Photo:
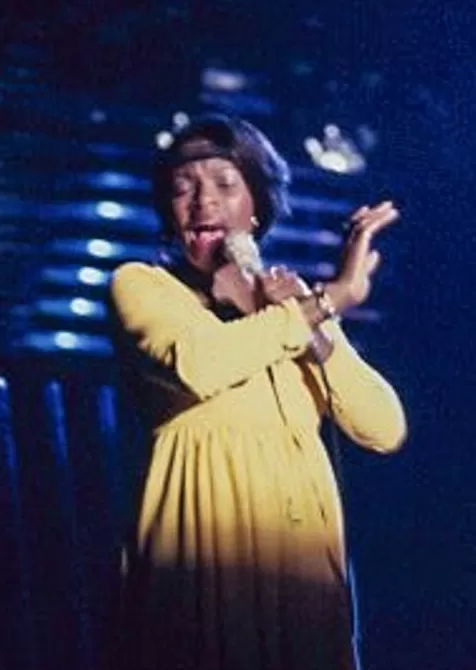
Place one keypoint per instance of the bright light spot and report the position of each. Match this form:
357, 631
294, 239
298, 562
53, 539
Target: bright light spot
3, 383
101, 248
113, 179
97, 345
332, 132
223, 80
92, 276
66, 340
98, 116
82, 307
180, 120
313, 146
335, 152
164, 139
110, 210
328, 238
334, 162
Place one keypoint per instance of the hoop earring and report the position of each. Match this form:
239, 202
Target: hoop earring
254, 222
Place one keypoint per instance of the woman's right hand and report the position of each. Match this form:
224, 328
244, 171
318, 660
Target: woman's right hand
359, 262
232, 286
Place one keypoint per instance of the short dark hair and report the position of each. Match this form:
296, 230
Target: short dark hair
264, 170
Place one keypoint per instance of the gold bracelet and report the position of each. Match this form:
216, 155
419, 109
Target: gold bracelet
324, 301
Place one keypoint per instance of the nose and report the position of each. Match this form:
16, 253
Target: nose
205, 197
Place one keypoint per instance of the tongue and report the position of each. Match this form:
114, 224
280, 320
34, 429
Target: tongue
205, 238
211, 234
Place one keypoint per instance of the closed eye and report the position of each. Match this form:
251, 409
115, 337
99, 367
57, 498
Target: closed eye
226, 185
226, 180
181, 185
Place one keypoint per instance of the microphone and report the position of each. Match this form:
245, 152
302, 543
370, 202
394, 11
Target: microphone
240, 247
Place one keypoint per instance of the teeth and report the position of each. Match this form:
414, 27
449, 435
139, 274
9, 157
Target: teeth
208, 232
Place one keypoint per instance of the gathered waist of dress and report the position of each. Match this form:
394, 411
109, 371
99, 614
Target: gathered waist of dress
209, 417
210, 414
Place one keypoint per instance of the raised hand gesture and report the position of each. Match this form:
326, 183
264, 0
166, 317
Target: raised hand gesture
359, 261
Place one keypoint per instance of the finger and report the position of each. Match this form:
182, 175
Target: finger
271, 284
382, 206
382, 220
270, 275
356, 250
281, 271
277, 294
376, 220
374, 260
359, 213
283, 288
379, 210
302, 289
366, 213
285, 283
358, 256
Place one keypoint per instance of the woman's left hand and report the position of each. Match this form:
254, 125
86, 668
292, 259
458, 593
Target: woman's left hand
360, 261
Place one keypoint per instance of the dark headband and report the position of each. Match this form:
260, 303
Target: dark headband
195, 150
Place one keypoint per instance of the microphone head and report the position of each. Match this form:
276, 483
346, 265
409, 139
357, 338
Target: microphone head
240, 247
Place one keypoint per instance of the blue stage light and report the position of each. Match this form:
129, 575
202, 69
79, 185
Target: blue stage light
83, 307
102, 248
164, 139
220, 79
110, 179
98, 116
92, 276
66, 340
52, 341
180, 120
111, 210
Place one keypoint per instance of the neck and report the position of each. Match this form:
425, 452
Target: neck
191, 275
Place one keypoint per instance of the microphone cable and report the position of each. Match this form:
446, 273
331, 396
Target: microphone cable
335, 449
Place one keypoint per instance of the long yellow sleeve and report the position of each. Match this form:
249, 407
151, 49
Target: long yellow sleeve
208, 356
365, 406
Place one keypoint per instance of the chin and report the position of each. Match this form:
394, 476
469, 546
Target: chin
207, 264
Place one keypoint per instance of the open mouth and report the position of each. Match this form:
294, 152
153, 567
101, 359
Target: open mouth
208, 232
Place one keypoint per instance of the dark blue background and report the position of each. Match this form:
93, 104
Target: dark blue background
407, 69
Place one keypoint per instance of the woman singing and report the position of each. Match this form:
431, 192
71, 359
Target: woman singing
239, 560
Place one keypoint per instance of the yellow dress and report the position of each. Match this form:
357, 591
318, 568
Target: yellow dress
240, 536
